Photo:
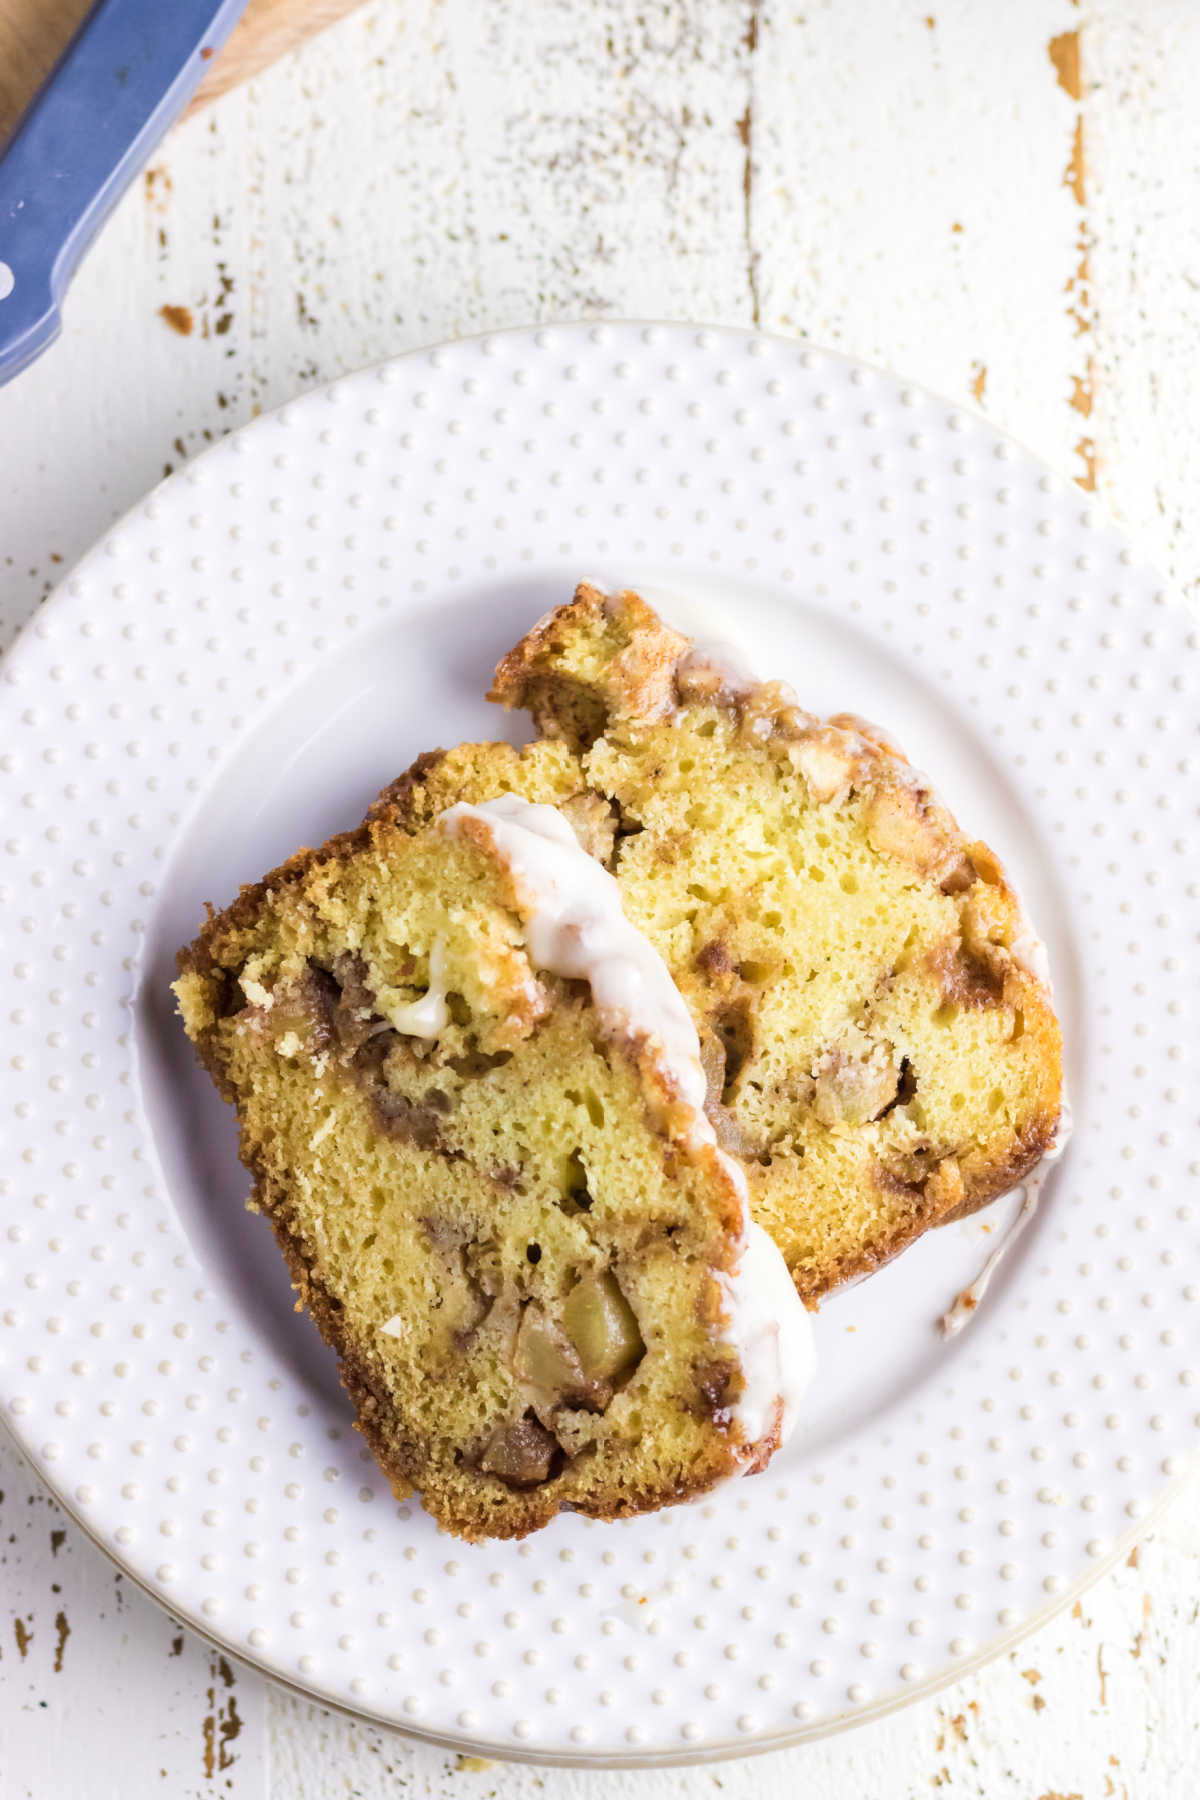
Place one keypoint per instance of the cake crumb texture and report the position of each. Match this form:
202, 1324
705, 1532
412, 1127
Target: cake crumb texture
882, 1051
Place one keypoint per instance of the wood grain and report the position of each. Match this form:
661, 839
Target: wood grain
270, 29
33, 34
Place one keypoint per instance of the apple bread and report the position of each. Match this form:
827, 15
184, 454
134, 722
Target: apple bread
471, 1101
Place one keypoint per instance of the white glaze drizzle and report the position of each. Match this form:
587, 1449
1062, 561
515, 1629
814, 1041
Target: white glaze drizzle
429, 1015
575, 927
722, 660
1028, 951
966, 1303
773, 1331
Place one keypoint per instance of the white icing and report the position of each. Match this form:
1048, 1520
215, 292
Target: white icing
725, 662
1029, 952
429, 1015
966, 1303
722, 660
867, 732
576, 927
775, 1337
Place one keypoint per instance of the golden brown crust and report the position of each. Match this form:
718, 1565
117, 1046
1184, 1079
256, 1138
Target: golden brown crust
214, 948
629, 673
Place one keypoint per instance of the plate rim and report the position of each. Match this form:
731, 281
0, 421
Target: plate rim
727, 1749
1167, 1487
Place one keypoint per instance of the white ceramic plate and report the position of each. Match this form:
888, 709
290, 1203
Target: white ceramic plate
276, 632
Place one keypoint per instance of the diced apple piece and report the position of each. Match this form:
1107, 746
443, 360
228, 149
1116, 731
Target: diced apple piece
601, 1325
545, 1356
519, 1453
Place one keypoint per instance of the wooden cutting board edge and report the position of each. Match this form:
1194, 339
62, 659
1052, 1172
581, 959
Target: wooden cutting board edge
268, 30
33, 34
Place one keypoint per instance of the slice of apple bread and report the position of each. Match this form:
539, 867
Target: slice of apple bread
881, 1048
472, 1103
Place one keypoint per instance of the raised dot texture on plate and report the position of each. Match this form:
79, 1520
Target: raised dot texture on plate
167, 738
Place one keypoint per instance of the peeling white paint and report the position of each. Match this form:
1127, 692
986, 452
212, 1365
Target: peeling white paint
100, 1692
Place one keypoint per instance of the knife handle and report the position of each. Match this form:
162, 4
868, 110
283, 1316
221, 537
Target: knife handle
126, 74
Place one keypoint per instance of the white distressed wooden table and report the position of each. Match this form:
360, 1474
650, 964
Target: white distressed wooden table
952, 193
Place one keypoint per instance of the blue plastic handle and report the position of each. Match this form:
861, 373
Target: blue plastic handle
127, 73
